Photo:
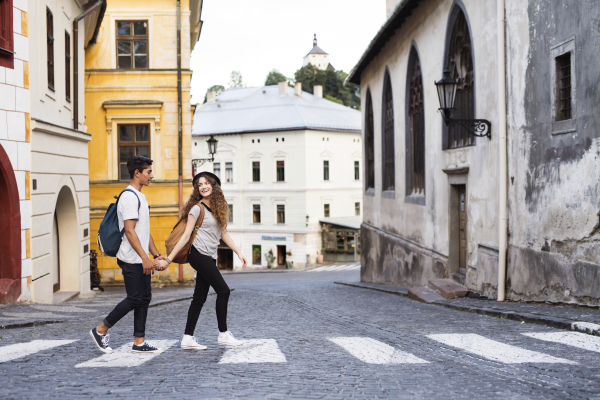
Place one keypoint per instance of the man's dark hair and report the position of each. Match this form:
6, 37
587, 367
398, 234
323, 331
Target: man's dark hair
137, 163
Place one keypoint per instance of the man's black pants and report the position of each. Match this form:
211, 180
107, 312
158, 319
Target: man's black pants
207, 275
139, 294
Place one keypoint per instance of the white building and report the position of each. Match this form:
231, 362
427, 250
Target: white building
44, 205
286, 159
317, 57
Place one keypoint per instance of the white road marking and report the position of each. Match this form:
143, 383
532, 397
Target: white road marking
254, 351
337, 267
496, 351
351, 267
14, 351
372, 351
318, 269
123, 357
575, 339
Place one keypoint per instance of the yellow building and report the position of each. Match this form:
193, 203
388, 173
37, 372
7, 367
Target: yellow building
131, 107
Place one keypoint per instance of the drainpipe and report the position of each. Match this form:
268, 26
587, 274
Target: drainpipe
502, 156
76, 61
179, 118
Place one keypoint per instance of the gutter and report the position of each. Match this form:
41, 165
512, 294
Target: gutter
502, 153
179, 118
76, 58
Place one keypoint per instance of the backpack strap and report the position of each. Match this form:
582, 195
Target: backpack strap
198, 225
136, 196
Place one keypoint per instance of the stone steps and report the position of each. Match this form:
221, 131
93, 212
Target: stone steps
424, 294
448, 288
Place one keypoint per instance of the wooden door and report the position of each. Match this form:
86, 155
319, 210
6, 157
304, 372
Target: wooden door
462, 212
280, 255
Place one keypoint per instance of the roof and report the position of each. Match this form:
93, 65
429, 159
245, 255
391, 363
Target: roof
346, 222
316, 50
396, 19
262, 109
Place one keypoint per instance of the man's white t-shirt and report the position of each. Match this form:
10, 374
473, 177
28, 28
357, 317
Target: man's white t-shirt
128, 209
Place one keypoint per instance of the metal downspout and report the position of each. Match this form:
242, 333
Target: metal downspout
502, 153
179, 118
76, 62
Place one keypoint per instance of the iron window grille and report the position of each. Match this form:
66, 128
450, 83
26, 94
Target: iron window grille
132, 44
388, 135
255, 171
50, 48
563, 87
280, 171
256, 213
134, 140
325, 170
280, 214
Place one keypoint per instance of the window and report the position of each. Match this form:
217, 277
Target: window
369, 144
230, 213
255, 171
356, 170
356, 208
134, 140
388, 135
326, 170
50, 48
280, 214
68, 66
228, 172
563, 87
132, 44
326, 210
280, 171
460, 64
7, 46
256, 255
217, 169
256, 213
416, 128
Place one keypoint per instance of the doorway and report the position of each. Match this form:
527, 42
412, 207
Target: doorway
458, 229
224, 256
281, 256
55, 256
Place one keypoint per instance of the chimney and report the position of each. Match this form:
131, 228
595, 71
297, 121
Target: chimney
211, 97
318, 91
298, 89
282, 88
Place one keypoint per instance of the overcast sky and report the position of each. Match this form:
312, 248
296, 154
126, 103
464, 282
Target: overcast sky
256, 36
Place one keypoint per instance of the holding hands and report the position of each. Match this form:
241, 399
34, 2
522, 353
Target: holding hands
161, 263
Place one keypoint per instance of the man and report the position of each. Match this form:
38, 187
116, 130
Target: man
133, 259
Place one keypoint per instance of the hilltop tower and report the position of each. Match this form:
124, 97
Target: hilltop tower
317, 57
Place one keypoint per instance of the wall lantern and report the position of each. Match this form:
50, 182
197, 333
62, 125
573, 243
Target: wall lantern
212, 150
446, 88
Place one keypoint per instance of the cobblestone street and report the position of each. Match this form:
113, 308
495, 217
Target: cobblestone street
305, 337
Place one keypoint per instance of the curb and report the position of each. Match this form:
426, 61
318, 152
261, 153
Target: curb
554, 322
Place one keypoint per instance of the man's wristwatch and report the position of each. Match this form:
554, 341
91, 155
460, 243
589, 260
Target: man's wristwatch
156, 256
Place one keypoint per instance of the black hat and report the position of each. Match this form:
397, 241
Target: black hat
206, 173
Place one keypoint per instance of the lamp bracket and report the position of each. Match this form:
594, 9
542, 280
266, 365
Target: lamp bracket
198, 162
475, 127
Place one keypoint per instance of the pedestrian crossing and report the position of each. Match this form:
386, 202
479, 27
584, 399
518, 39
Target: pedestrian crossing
328, 268
364, 349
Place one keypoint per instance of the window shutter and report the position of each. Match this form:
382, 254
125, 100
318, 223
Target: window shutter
6, 34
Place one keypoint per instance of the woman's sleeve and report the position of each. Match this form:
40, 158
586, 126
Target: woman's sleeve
195, 211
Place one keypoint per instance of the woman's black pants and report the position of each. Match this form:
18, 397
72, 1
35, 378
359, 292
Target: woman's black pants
207, 275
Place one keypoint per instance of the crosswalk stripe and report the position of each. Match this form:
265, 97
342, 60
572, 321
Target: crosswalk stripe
254, 351
123, 357
372, 351
496, 351
318, 269
575, 339
350, 267
14, 351
337, 267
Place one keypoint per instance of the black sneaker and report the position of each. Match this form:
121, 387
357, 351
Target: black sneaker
101, 341
145, 348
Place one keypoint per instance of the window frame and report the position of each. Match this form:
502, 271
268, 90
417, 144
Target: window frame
7, 37
50, 49
388, 150
131, 38
228, 172
255, 171
560, 127
357, 208
67, 66
217, 167
356, 170
131, 144
256, 208
280, 177
326, 170
230, 219
259, 261
326, 210
369, 146
277, 212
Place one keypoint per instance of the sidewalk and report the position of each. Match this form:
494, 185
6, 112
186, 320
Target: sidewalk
562, 316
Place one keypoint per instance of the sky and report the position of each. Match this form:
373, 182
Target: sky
256, 36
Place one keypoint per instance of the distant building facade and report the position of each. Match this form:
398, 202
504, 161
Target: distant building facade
317, 57
286, 159
432, 193
44, 205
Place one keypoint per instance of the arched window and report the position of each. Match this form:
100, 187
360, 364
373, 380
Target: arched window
459, 61
369, 144
388, 135
415, 128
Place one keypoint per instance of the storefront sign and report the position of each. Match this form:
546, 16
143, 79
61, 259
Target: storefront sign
273, 238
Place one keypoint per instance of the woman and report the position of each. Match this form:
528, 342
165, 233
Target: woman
203, 254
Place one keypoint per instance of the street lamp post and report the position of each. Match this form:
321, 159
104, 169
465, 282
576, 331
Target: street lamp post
446, 88
212, 150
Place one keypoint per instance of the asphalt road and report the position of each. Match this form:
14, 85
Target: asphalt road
306, 337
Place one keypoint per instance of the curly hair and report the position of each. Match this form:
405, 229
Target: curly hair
218, 204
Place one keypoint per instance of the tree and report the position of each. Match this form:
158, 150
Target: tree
274, 78
214, 88
333, 85
236, 80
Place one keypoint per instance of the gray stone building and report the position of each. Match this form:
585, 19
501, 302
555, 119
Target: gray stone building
515, 215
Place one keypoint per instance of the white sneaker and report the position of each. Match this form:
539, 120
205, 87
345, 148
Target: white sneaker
189, 343
227, 339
